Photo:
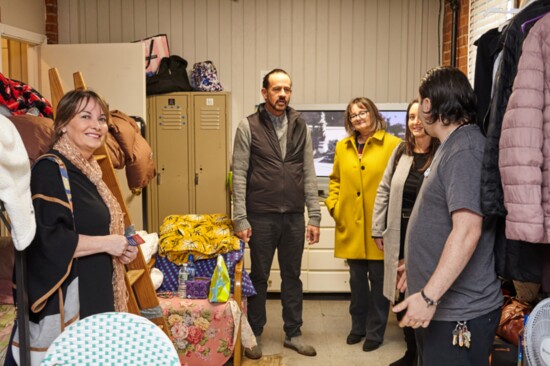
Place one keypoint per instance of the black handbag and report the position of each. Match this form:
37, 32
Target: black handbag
171, 76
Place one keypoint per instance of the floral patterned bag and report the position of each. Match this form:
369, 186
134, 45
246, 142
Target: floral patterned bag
204, 77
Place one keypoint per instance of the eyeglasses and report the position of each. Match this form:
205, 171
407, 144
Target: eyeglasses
361, 114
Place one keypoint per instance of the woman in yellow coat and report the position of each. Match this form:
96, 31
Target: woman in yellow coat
359, 164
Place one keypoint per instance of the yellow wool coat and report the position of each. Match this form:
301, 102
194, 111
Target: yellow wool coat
352, 191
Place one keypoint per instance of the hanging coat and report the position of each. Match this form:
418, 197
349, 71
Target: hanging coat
524, 158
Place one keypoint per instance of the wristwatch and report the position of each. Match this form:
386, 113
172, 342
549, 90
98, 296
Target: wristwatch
429, 301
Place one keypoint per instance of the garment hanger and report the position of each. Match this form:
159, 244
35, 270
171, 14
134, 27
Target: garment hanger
526, 23
511, 12
501, 11
521, 6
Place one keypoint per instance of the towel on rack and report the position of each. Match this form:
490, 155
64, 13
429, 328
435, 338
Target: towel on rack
15, 177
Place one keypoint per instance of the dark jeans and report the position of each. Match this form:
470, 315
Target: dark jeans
286, 233
368, 308
435, 346
410, 338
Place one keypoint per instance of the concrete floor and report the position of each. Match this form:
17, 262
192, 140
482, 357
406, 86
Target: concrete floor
326, 326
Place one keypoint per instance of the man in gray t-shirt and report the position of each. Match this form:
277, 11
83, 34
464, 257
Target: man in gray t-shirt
451, 281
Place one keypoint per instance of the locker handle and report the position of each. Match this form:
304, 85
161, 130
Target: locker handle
196, 179
158, 178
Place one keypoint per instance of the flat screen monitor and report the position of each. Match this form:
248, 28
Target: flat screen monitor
326, 124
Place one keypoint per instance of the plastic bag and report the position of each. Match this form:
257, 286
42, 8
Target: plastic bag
156, 48
220, 285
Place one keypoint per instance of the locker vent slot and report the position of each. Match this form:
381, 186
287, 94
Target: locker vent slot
210, 119
172, 119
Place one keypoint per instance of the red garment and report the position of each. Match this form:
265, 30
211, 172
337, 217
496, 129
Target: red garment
19, 97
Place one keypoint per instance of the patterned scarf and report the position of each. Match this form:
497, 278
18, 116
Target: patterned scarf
90, 168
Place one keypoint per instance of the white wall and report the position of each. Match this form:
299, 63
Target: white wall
333, 49
25, 14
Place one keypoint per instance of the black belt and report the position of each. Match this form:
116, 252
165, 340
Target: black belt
406, 213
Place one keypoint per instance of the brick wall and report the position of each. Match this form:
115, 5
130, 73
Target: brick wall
51, 21
462, 35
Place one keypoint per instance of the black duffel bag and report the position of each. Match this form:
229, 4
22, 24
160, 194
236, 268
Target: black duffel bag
171, 76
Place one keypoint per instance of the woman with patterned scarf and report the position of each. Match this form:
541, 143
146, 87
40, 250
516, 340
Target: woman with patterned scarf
76, 260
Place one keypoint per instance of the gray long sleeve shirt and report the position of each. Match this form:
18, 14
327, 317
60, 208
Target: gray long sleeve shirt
241, 159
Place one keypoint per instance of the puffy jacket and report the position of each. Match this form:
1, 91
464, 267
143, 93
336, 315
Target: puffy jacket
524, 143
492, 197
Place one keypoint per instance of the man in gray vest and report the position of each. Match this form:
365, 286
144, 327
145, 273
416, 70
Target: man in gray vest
273, 179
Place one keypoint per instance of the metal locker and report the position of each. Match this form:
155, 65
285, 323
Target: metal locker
189, 135
210, 153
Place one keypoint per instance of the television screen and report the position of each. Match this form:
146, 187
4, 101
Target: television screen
326, 123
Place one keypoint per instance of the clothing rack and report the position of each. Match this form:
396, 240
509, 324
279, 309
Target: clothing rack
22, 301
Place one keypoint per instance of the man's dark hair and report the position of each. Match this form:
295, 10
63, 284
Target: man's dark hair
451, 95
265, 83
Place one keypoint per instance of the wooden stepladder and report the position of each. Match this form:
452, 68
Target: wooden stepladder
142, 296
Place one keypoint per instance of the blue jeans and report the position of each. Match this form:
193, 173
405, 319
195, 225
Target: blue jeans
435, 342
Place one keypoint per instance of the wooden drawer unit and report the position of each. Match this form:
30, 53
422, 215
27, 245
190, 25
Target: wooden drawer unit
326, 219
274, 281
324, 260
328, 281
326, 239
275, 264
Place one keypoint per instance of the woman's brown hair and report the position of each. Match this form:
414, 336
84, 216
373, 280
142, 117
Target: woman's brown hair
378, 121
410, 141
73, 103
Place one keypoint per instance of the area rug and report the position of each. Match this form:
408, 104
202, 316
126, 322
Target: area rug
271, 360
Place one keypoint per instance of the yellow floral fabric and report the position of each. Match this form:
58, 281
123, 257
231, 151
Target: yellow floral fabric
204, 236
7, 319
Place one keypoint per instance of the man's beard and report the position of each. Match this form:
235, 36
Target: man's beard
275, 106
